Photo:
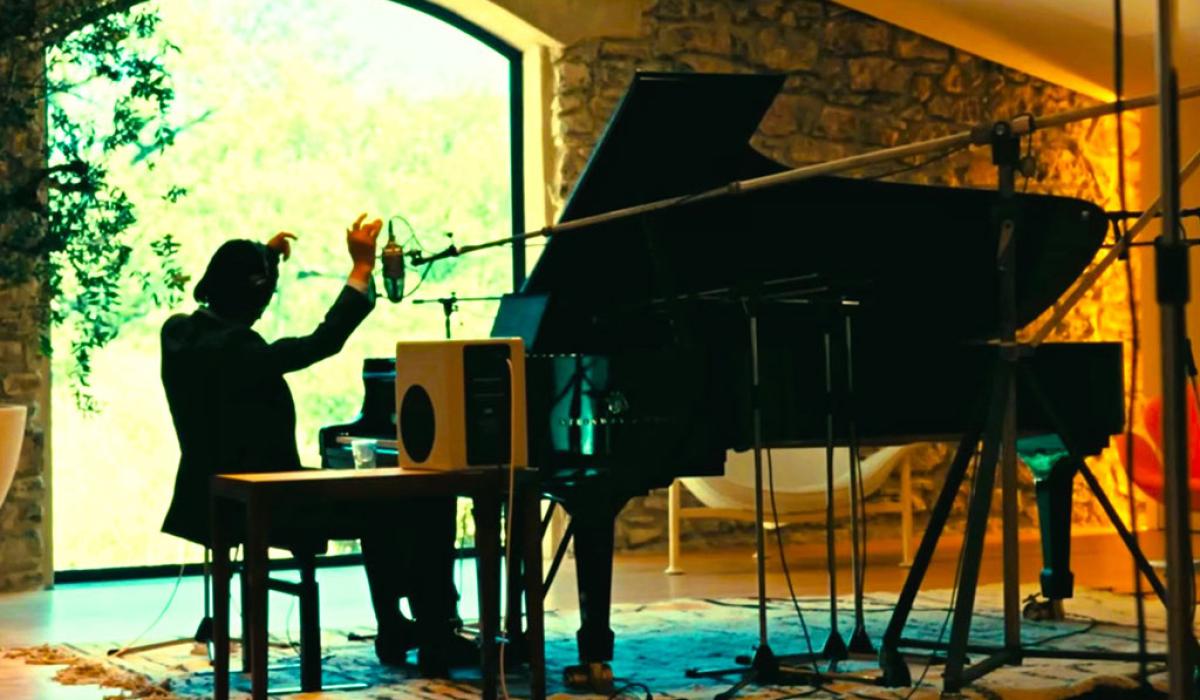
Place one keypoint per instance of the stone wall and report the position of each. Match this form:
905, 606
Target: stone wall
24, 524
854, 85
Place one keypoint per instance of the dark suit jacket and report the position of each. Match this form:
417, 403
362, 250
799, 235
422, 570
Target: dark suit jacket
232, 409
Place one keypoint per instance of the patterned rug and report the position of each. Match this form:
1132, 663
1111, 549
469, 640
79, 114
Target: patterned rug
658, 642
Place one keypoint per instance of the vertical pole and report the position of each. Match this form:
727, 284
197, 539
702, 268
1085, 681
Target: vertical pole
1006, 148
1172, 273
486, 509
673, 505
835, 646
220, 583
860, 641
906, 514
1009, 515
255, 637
759, 534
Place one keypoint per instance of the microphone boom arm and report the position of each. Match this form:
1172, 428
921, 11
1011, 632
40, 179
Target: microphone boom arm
979, 135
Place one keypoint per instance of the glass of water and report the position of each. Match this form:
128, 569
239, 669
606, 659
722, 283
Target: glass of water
363, 450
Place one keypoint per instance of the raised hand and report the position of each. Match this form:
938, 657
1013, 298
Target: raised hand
282, 243
360, 242
361, 239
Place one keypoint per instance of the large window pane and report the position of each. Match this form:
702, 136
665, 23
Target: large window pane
298, 115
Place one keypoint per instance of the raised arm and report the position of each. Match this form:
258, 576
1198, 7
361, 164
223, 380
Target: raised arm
348, 310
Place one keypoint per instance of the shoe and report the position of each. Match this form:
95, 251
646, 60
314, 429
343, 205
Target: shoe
392, 645
454, 651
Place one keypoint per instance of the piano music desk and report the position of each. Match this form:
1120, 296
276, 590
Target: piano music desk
263, 494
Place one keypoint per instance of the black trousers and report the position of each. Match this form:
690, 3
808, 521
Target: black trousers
408, 552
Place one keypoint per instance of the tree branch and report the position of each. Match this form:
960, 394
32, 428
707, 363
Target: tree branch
77, 19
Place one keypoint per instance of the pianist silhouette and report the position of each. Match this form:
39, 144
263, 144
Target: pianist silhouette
233, 412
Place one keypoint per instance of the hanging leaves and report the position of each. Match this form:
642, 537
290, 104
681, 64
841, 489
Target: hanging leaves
68, 226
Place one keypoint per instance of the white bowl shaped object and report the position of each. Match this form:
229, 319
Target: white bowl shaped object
12, 432
799, 479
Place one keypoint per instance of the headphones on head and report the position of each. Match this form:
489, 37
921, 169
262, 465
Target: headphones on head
245, 285
262, 283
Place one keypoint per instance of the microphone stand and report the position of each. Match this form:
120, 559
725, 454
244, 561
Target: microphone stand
1171, 268
450, 305
767, 668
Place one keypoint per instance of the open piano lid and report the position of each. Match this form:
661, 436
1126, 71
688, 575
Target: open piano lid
914, 255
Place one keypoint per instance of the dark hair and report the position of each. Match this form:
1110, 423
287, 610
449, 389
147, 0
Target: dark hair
239, 280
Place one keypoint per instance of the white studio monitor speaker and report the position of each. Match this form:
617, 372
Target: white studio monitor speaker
460, 404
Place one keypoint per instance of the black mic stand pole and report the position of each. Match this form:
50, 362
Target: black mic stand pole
860, 641
764, 668
450, 305
764, 658
835, 646
1171, 268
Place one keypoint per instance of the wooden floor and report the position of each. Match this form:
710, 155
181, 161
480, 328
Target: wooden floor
121, 611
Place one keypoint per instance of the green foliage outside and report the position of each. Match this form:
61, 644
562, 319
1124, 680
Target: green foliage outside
76, 238
292, 115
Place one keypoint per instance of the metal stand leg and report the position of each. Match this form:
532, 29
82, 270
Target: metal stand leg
860, 641
977, 517
835, 647
895, 670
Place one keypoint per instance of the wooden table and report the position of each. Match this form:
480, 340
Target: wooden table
263, 495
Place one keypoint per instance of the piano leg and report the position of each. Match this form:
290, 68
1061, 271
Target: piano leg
1054, 497
594, 544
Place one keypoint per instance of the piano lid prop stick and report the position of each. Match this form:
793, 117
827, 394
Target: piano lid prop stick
1088, 279
979, 135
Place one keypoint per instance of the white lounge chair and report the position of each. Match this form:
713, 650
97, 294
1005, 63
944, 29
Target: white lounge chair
799, 476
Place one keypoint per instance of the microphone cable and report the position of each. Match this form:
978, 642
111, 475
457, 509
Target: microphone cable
161, 614
787, 575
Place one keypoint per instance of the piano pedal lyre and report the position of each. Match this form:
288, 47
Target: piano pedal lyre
596, 677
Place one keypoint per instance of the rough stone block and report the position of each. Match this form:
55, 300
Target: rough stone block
566, 104
704, 63
909, 45
791, 113
784, 49
877, 73
27, 488
12, 353
655, 503
929, 68
960, 79
573, 76
613, 48
26, 581
17, 515
851, 36
944, 107
767, 9
840, 124
674, 9
578, 122
922, 87
21, 549
713, 39
22, 383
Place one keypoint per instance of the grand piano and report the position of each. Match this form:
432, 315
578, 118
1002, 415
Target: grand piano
638, 367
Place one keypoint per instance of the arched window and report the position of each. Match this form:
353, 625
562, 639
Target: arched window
297, 115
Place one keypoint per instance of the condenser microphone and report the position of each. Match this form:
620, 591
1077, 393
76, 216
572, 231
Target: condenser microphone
392, 259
